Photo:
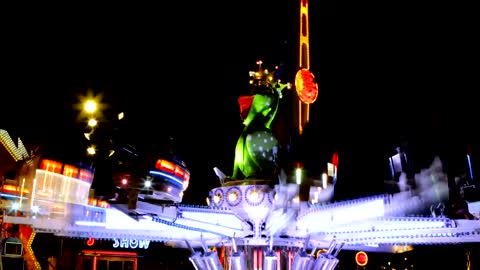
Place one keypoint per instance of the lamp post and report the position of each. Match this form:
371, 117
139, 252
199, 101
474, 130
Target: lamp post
100, 128
90, 107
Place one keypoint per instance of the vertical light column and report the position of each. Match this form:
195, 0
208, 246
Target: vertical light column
304, 62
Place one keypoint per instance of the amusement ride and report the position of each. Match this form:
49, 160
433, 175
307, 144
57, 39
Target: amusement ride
263, 216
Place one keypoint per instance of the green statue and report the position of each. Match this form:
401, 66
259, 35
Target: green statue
257, 148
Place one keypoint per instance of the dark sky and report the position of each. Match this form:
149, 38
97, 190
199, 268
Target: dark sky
388, 74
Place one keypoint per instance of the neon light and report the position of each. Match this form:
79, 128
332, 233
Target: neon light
179, 172
17, 153
307, 88
260, 256
298, 175
85, 175
90, 242
165, 165
168, 176
255, 259
13, 189
11, 196
21, 192
130, 243
34, 187
470, 166
172, 168
51, 166
279, 263
361, 258
52, 185
90, 223
32, 259
111, 253
70, 171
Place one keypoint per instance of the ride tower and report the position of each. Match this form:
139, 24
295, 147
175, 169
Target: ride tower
260, 190
305, 83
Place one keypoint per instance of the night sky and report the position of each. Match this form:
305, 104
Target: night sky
388, 74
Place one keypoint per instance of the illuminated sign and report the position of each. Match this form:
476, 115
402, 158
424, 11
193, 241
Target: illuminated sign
17, 152
130, 243
361, 258
90, 242
307, 87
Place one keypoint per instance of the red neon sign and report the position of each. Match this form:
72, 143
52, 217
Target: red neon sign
90, 242
361, 258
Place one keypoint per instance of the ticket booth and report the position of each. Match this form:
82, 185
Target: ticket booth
107, 260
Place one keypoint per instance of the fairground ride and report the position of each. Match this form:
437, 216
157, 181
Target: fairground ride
263, 216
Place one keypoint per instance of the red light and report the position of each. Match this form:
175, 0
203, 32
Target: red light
90, 242
179, 172
361, 258
85, 175
335, 159
51, 166
165, 165
70, 171
186, 177
307, 87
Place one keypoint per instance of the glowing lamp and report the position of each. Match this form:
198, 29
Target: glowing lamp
307, 88
90, 106
15, 206
35, 209
254, 196
91, 150
92, 122
70, 171
148, 183
90, 242
361, 258
51, 166
232, 196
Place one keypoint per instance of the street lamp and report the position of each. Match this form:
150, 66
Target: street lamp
91, 150
90, 106
92, 122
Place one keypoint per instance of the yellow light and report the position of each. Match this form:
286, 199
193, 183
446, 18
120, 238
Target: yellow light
31, 253
254, 197
298, 175
92, 122
315, 197
17, 153
216, 199
320, 251
233, 196
90, 106
91, 150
